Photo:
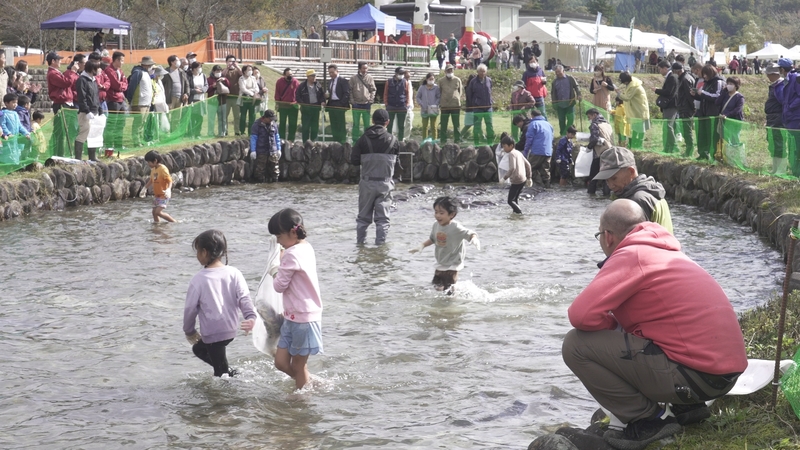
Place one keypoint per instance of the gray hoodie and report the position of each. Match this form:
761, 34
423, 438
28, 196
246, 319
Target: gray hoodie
645, 191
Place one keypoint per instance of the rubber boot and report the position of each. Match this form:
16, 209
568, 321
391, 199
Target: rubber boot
92, 154
361, 235
78, 150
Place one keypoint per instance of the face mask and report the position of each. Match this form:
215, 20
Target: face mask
248, 73
449, 76
288, 78
151, 70
398, 77
731, 87
535, 66
430, 82
191, 60
515, 88
217, 74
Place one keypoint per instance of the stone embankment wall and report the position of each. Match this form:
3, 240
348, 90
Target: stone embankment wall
713, 190
227, 162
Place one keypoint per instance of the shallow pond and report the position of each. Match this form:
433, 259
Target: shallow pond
92, 304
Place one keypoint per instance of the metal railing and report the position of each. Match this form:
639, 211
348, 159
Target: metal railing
290, 49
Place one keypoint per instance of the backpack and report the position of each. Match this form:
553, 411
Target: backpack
133, 83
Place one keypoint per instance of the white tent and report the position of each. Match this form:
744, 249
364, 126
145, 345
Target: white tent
775, 51
795, 49
571, 47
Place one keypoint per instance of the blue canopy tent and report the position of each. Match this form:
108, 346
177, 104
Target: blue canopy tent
84, 19
624, 62
367, 17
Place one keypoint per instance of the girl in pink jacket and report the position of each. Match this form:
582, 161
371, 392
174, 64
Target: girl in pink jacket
296, 279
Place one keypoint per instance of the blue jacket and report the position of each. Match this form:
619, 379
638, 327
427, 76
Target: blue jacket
733, 109
539, 138
790, 99
564, 150
479, 94
11, 124
24, 117
264, 139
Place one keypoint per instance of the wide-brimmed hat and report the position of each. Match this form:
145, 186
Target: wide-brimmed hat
773, 69
159, 71
519, 83
147, 61
614, 159
310, 72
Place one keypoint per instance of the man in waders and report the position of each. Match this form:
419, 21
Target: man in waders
376, 151
651, 328
265, 148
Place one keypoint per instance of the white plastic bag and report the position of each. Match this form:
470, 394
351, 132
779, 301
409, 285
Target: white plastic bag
502, 164
96, 127
583, 163
269, 306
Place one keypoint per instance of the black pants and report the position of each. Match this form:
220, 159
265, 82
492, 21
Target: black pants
591, 186
214, 355
513, 197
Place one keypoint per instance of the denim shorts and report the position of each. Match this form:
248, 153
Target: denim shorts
301, 339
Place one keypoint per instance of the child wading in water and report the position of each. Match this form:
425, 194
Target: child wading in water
449, 237
519, 171
564, 155
162, 185
296, 278
216, 295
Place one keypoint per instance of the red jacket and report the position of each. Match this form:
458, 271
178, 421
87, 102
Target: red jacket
103, 84
656, 292
117, 85
59, 86
535, 82
285, 90
73, 79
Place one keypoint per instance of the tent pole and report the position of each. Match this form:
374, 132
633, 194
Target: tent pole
74, 37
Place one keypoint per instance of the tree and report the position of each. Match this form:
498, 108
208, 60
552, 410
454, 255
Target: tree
302, 14
602, 6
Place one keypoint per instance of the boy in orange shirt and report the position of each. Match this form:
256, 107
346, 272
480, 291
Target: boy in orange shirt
162, 185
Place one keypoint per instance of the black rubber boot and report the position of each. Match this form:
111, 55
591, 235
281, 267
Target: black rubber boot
92, 154
78, 150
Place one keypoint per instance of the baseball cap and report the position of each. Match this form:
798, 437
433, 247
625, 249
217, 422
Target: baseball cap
310, 72
269, 114
612, 160
51, 56
786, 63
399, 71
449, 67
677, 66
190, 54
773, 68
380, 116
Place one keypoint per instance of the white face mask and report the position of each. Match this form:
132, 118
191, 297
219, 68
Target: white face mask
217, 74
248, 73
516, 88
398, 77
535, 66
191, 60
731, 88
430, 82
449, 75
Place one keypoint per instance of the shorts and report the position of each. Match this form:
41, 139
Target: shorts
160, 202
301, 338
445, 278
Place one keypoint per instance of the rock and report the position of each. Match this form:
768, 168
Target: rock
205, 175
342, 171
296, 171
467, 154
83, 196
488, 173
485, 155
59, 178
27, 189
69, 179
471, 171
794, 282
12, 209
192, 160
348, 150
228, 169
215, 150
418, 169
314, 164
188, 177
217, 174
552, 442
45, 186
429, 173
106, 193
177, 156
298, 151
444, 172
411, 147
120, 189
77, 172
456, 173
335, 153
450, 153
97, 194
328, 170
224, 151
135, 187
426, 153
200, 156
4, 194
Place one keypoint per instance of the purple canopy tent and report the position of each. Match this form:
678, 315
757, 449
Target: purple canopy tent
85, 19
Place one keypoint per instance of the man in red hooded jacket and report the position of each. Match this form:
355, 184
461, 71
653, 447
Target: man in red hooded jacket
652, 327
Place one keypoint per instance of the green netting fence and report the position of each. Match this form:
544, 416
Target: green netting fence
743, 145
